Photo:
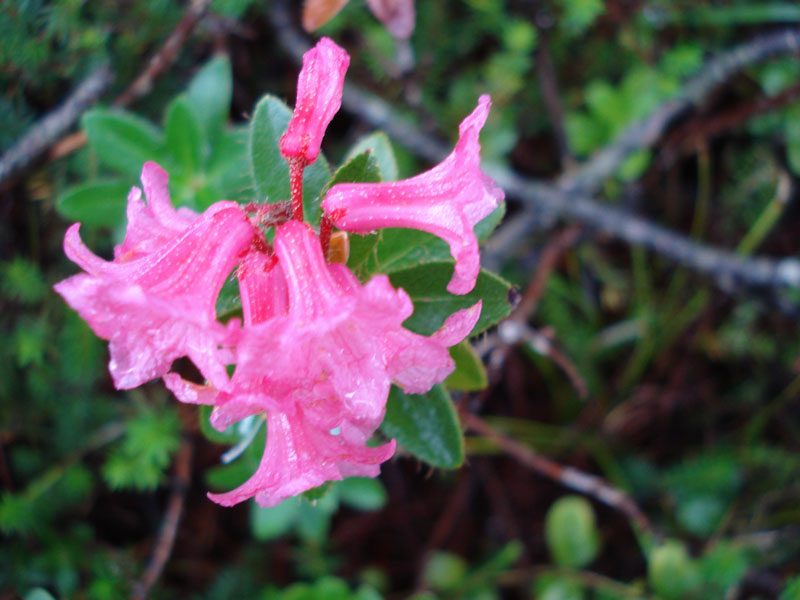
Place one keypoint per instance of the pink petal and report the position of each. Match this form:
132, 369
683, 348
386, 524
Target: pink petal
299, 457
262, 286
319, 97
447, 201
161, 306
458, 325
152, 225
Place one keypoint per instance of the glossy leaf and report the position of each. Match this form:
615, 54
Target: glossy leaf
210, 93
123, 141
184, 134
470, 374
426, 425
400, 248
269, 169
99, 204
382, 150
426, 284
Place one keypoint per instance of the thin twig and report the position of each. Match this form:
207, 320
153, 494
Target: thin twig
691, 134
166, 55
48, 129
169, 525
645, 133
575, 479
143, 84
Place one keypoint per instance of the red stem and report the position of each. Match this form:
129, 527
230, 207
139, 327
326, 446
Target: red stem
325, 230
296, 167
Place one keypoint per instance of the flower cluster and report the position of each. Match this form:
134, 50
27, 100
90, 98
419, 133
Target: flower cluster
316, 351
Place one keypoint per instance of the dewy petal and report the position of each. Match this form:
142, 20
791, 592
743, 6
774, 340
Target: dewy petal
319, 97
152, 225
161, 306
299, 457
262, 287
447, 201
325, 364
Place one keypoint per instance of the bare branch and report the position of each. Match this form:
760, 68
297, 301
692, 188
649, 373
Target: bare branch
575, 479
169, 525
166, 55
47, 130
644, 134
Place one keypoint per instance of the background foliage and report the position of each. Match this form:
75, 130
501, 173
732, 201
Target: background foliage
692, 404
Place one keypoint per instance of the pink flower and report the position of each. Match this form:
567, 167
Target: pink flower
319, 96
152, 225
323, 365
446, 201
300, 455
156, 301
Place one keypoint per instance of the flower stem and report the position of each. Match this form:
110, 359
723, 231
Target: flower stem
296, 167
325, 229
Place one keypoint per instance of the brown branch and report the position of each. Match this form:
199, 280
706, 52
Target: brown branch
143, 84
575, 479
169, 525
692, 134
166, 55
645, 133
48, 129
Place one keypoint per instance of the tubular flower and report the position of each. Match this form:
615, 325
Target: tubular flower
317, 351
154, 307
447, 201
319, 96
325, 364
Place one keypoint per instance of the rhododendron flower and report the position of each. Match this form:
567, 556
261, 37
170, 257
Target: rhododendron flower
319, 96
328, 363
447, 201
156, 301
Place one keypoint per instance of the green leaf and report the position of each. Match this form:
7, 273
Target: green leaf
363, 493
426, 425
123, 141
22, 280
362, 168
426, 285
210, 93
229, 167
399, 248
571, 532
269, 169
671, 571
382, 150
470, 374
184, 134
98, 204
273, 521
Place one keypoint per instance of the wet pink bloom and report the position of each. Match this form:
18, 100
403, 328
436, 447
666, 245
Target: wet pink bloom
319, 96
152, 225
323, 365
156, 301
447, 201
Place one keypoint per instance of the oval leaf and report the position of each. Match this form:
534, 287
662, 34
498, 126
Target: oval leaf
426, 425
426, 285
210, 93
470, 374
269, 169
382, 149
123, 141
99, 204
184, 134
